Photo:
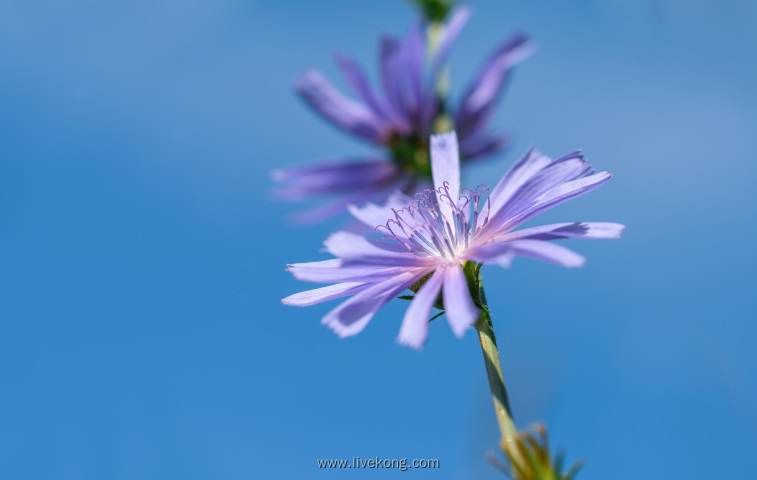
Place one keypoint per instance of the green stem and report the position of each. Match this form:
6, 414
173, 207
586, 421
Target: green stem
494, 372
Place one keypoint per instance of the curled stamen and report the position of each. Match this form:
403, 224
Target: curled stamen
435, 225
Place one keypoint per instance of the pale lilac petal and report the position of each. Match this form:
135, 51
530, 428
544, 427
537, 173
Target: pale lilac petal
558, 195
323, 294
547, 251
589, 230
498, 253
445, 162
502, 253
353, 315
534, 175
337, 270
459, 308
476, 107
534, 181
530, 164
342, 112
359, 249
414, 328
445, 169
558, 172
375, 215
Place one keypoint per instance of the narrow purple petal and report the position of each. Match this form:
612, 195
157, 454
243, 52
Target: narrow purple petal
547, 251
476, 106
558, 195
337, 271
458, 305
535, 181
359, 249
502, 253
414, 45
391, 71
353, 315
342, 112
338, 205
323, 294
332, 177
452, 29
359, 83
481, 145
558, 172
530, 164
374, 215
590, 230
414, 329
445, 162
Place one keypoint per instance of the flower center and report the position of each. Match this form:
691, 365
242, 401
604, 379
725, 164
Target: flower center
437, 226
410, 153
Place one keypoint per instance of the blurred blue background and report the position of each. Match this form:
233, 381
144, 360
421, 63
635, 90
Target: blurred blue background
142, 263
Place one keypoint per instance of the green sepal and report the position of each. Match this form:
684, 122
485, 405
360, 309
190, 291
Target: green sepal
529, 458
434, 10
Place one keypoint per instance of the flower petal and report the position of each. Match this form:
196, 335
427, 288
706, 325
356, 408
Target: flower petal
452, 29
414, 328
445, 163
558, 195
481, 145
450, 32
476, 107
414, 45
547, 251
498, 253
391, 72
458, 305
332, 177
502, 253
353, 315
339, 204
337, 270
361, 250
534, 175
593, 230
524, 169
323, 294
359, 83
346, 114
375, 215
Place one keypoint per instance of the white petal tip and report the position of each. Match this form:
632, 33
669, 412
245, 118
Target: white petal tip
415, 344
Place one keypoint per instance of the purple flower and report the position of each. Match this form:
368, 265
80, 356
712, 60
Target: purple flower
399, 118
429, 240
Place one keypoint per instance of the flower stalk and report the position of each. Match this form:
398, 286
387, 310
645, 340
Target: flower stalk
488, 342
494, 373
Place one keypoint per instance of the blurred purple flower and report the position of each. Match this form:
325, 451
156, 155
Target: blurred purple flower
431, 239
399, 118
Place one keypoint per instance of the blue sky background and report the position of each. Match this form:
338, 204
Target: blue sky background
141, 333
